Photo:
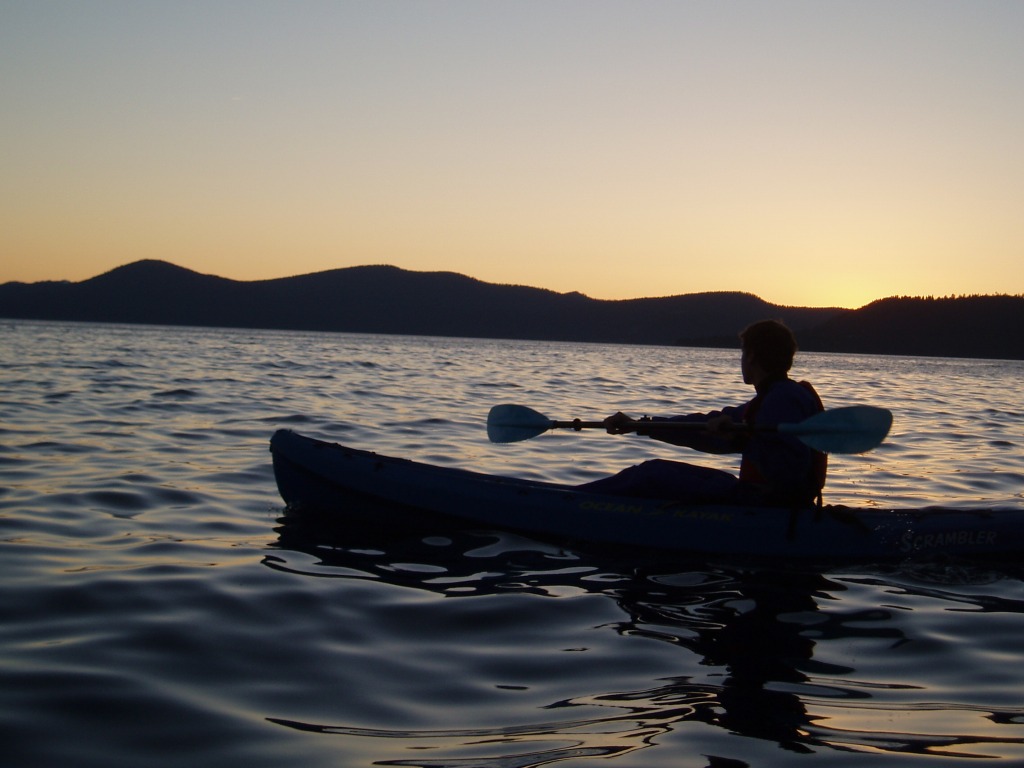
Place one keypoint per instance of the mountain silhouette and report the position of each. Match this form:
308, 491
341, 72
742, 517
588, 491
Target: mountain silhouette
386, 299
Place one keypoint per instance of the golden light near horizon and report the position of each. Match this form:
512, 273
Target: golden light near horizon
813, 155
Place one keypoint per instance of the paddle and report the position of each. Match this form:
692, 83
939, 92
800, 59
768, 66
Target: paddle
853, 429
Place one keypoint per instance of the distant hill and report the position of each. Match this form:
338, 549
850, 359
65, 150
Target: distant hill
971, 326
385, 299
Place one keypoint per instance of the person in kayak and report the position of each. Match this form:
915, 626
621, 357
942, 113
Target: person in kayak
775, 470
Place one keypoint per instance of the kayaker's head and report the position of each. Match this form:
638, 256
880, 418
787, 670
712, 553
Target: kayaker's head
768, 350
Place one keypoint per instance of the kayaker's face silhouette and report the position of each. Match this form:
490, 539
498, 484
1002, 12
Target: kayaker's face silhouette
752, 372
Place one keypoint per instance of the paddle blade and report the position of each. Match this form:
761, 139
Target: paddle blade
854, 429
511, 423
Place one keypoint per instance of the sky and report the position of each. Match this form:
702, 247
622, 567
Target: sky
812, 153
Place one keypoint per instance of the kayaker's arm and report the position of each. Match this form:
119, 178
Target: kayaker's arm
720, 436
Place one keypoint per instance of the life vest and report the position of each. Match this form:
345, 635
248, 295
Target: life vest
751, 473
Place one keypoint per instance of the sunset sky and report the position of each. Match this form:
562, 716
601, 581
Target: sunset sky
814, 153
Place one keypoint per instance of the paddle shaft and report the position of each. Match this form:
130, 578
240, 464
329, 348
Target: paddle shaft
852, 429
688, 426
577, 424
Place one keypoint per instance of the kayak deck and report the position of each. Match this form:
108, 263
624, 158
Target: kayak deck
312, 473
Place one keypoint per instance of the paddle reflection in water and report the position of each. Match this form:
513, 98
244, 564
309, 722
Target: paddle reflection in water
764, 655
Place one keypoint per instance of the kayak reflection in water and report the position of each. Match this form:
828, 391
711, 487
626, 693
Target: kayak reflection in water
776, 469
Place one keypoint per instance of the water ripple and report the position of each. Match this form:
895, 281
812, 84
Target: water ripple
160, 606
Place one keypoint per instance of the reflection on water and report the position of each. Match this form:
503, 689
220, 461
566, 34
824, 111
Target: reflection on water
757, 650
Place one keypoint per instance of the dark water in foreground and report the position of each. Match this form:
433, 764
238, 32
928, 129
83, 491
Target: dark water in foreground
158, 607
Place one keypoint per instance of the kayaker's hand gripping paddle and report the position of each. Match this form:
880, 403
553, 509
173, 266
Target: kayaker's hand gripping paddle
853, 429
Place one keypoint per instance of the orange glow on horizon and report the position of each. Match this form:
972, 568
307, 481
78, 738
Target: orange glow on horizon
774, 153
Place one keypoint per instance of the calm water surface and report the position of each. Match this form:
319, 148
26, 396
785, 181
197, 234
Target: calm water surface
159, 607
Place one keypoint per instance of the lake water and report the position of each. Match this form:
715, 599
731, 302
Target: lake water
159, 608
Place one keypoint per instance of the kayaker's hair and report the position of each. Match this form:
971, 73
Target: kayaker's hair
771, 343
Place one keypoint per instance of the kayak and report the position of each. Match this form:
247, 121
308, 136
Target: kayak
313, 474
